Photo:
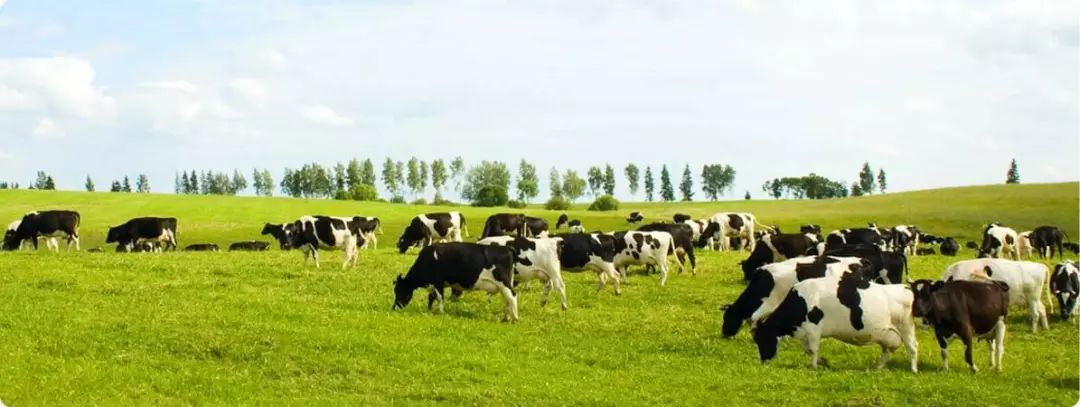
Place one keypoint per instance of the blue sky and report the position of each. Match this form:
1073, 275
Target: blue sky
938, 93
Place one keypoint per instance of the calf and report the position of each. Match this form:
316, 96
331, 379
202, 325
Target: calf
136, 231
847, 308
535, 259
644, 248
1044, 239
593, 251
777, 248
535, 227
967, 309
45, 224
367, 226
279, 232
1025, 280
464, 266
998, 239
949, 246
9, 234
428, 228
201, 247
683, 237
309, 233
634, 217
887, 267
1065, 285
249, 246
501, 224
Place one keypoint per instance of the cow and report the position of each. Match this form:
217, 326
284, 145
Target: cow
138, 230
279, 232
562, 221
680, 217
1065, 286
887, 267
249, 246
813, 229
1044, 239
1026, 281
501, 224
971, 244
1072, 247
47, 225
642, 249
9, 234
1023, 245
428, 228
682, 236
535, 259
634, 217
368, 226
464, 266
201, 247
310, 233
770, 283
905, 239
949, 246
593, 251
144, 246
847, 308
968, 309
574, 225
925, 251
926, 238
780, 247
535, 227
724, 225
998, 239
868, 235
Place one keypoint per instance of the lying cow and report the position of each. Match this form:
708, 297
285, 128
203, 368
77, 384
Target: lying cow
501, 224
139, 230
593, 251
1025, 280
779, 247
971, 244
868, 235
634, 217
201, 247
574, 225
249, 246
682, 236
47, 225
998, 239
465, 266
535, 227
925, 251
429, 228
1072, 247
310, 233
535, 259
949, 246
847, 308
643, 249
1065, 286
968, 309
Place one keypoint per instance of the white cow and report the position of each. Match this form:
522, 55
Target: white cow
1024, 278
998, 239
535, 259
643, 248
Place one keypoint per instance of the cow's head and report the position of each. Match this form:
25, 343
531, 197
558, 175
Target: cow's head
113, 236
278, 232
410, 237
1065, 285
922, 290
563, 219
403, 293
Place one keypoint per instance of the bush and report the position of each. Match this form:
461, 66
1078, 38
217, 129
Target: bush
492, 195
516, 204
363, 192
420, 201
605, 203
557, 203
341, 195
397, 199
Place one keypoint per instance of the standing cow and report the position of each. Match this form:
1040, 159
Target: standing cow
501, 224
774, 248
1044, 239
967, 309
868, 235
535, 259
47, 225
1065, 285
998, 239
429, 228
905, 239
725, 225
368, 226
465, 266
1026, 281
683, 237
310, 233
135, 232
643, 249
592, 251
9, 234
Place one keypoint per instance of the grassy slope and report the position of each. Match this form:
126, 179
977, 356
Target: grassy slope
230, 328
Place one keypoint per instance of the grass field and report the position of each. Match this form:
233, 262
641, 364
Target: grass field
261, 328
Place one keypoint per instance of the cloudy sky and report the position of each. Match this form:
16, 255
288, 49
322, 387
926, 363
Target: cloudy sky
937, 92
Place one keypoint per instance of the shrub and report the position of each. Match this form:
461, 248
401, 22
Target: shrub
557, 203
420, 201
516, 204
492, 195
341, 195
397, 199
363, 192
605, 203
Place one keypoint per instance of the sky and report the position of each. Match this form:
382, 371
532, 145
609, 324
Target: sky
938, 93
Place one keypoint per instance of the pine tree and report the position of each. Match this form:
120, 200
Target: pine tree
686, 187
866, 179
194, 183
881, 182
1013, 176
142, 184
650, 186
667, 191
116, 187
126, 185
89, 184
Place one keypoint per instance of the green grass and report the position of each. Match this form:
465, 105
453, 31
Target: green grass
258, 328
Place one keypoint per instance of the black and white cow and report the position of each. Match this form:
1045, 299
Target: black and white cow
1072, 247
770, 283
968, 309
1065, 286
724, 225
847, 308
535, 259
1026, 281
562, 221
998, 239
428, 228
949, 246
249, 246
280, 232
310, 233
464, 266
682, 236
368, 226
1044, 239
868, 235
887, 267
47, 225
201, 247
136, 231
634, 217
643, 249
501, 224
905, 239
535, 227
779, 247
9, 234
680, 217
574, 225
592, 251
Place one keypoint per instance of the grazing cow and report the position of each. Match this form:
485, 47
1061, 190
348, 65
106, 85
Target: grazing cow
309, 233
925, 238
925, 251
368, 225
724, 225
136, 231
1023, 245
971, 244
575, 226
770, 283
1044, 239
425, 229
780, 247
683, 237
634, 217
949, 246
463, 266
249, 246
9, 234
642, 249
1025, 279
535, 227
501, 224
563, 220
998, 239
905, 239
968, 309
535, 259
887, 267
1072, 247
1065, 285
201, 247
47, 225
279, 232
868, 235
847, 308
593, 251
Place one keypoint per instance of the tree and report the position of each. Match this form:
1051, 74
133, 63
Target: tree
89, 184
866, 179
650, 186
353, 174
388, 177
596, 180
554, 184
774, 188
257, 182
185, 183
423, 176
632, 177
142, 184
438, 176
367, 173
116, 187
42, 180
667, 191
528, 184
399, 174
340, 178
485, 180
573, 186
239, 183
686, 187
194, 186
881, 180
856, 189
457, 170
715, 179
49, 183
177, 187
747, 196
609, 180
126, 186
412, 179
1013, 176
268, 182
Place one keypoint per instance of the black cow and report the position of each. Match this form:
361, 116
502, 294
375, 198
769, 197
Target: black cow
279, 232
46, 224
682, 236
1047, 238
501, 224
139, 230
593, 251
535, 227
776, 248
680, 217
971, 244
949, 246
201, 247
563, 220
465, 266
1072, 247
969, 309
634, 217
431, 227
869, 235
889, 267
1065, 285
249, 246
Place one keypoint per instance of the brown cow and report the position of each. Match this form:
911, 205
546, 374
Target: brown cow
968, 309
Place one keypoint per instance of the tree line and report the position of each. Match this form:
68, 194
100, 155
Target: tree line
814, 186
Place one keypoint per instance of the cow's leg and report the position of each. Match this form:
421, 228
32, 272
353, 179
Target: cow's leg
1033, 312
884, 357
812, 345
315, 256
54, 245
943, 343
510, 301
999, 339
663, 266
560, 287
966, 336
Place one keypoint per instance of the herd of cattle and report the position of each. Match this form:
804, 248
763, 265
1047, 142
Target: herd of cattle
848, 284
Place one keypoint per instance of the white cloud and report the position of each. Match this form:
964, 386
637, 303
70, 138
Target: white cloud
251, 91
46, 128
58, 85
326, 116
172, 85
